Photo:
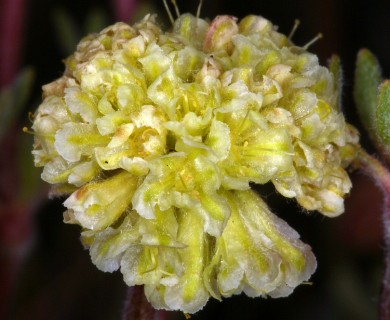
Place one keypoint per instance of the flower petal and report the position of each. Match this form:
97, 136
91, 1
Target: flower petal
77, 139
97, 205
260, 253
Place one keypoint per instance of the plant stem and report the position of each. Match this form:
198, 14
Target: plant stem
11, 32
381, 176
137, 306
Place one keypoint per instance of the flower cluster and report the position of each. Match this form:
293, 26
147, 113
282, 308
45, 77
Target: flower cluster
158, 135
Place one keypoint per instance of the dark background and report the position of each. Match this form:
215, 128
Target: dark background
56, 279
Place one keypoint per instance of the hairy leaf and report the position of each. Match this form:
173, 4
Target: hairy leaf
383, 114
367, 80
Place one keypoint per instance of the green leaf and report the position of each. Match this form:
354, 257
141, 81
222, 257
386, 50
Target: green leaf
14, 97
335, 68
367, 80
383, 114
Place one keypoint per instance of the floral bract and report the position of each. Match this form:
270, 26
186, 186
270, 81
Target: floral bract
158, 135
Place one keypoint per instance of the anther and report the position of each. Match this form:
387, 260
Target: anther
26, 130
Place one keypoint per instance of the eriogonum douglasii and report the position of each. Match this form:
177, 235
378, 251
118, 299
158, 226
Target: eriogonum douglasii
158, 135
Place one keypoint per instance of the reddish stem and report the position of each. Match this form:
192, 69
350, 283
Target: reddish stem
124, 9
15, 214
11, 31
137, 306
381, 176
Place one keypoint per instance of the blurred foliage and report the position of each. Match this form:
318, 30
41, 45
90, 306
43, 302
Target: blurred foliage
69, 31
13, 99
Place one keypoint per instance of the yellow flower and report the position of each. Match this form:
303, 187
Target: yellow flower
159, 134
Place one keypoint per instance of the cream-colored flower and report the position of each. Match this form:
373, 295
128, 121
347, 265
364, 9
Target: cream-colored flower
160, 134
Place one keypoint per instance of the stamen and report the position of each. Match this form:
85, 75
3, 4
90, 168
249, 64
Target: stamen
199, 8
169, 12
153, 260
316, 38
176, 8
28, 131
295, 27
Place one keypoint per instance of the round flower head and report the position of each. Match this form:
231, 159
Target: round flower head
157, 136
